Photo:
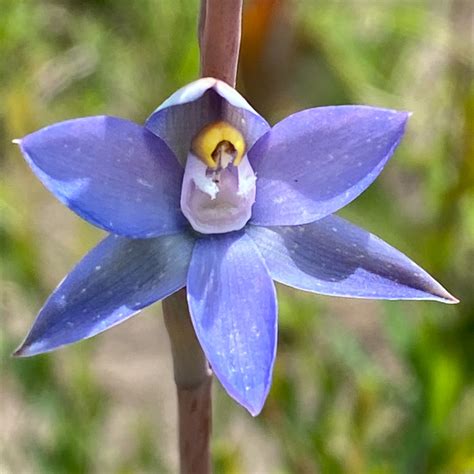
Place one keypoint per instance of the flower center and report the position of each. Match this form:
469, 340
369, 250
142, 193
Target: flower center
219, 183
218, 144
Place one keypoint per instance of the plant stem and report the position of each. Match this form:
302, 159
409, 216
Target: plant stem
219, 41
193, 383
219, 38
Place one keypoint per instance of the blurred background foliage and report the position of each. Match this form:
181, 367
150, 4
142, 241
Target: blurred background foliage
359, 386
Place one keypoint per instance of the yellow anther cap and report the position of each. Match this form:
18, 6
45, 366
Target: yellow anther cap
205, 143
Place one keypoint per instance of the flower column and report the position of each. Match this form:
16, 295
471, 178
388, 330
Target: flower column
219, 41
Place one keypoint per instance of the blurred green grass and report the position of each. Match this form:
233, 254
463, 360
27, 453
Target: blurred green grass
359, 387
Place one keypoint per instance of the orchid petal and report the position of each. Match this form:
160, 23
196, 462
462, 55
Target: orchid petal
316, 161
112, 172
178, 120
234, 311
334, 257
113, 282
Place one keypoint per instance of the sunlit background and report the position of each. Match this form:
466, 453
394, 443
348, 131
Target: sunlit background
359, 386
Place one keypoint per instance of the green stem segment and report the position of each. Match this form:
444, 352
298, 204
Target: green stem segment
219, 40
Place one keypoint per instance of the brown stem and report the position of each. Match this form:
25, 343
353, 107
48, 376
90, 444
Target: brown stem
219, 41
193, 383
219, 38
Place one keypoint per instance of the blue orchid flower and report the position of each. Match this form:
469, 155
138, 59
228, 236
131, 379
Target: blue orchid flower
207, 196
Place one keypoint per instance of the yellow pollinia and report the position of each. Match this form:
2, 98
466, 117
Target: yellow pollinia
212, 137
